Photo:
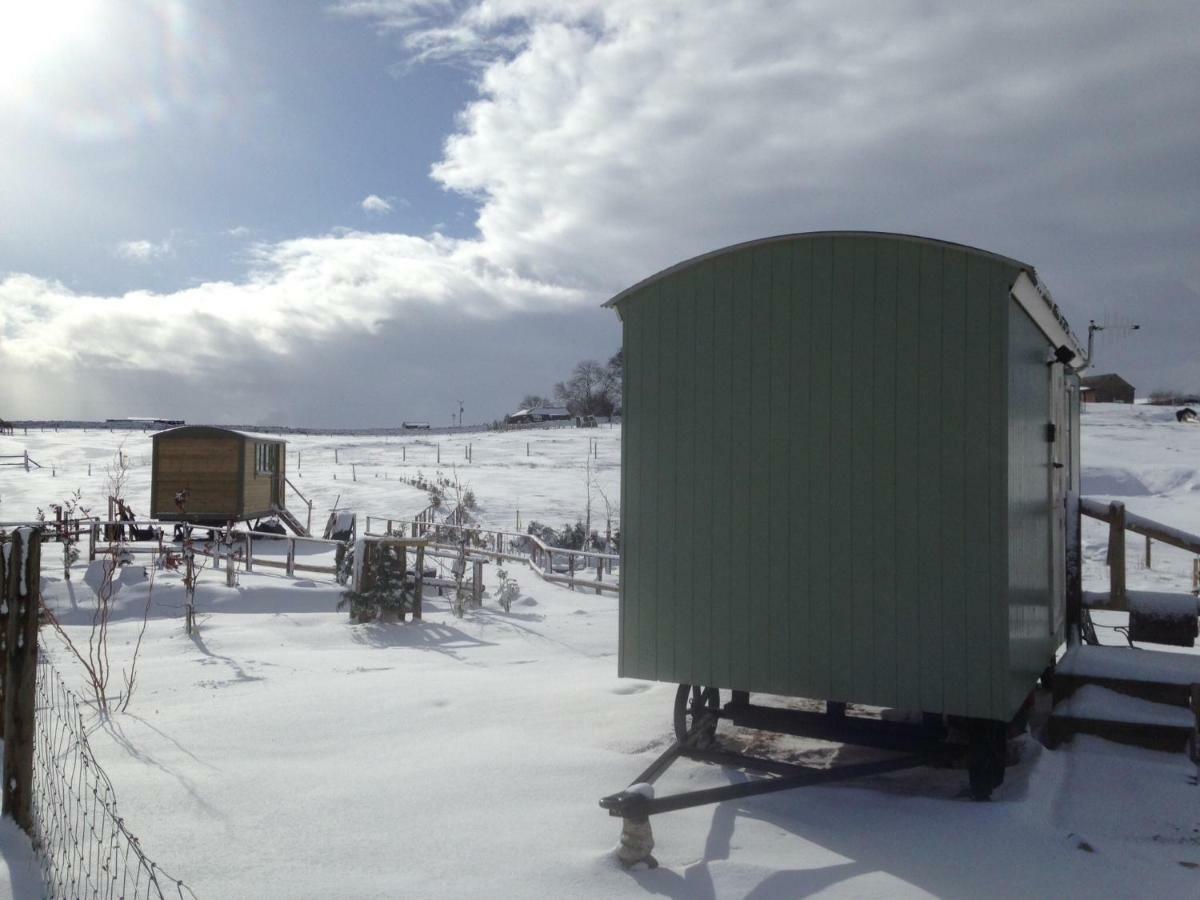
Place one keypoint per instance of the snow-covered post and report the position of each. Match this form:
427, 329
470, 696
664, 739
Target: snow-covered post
20, 673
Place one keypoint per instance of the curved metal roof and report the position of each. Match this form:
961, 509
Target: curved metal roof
809, 235
215, 430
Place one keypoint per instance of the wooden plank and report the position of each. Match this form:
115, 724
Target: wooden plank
760, 402
741, 475
20, 675
779, 369
723, 561
666, 539
1116, 552
953, 475
977, 527
822, 340
684, 587
4, 611
861, 483
996, 366
707, 543
839, 512
647, 521
884, 475
799, 673
930, 497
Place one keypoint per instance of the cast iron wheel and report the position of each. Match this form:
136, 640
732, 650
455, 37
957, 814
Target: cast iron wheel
689, 700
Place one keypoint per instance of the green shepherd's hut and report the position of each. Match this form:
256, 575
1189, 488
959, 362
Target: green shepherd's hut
846, 464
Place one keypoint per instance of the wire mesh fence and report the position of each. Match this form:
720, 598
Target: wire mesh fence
83, 844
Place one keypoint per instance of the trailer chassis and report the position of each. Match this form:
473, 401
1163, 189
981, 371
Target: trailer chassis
697, 712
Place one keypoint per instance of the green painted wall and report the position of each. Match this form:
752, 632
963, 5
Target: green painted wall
816, 465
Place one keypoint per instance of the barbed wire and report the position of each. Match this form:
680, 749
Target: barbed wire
84, 846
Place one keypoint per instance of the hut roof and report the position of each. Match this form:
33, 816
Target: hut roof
1108, 380
215, 430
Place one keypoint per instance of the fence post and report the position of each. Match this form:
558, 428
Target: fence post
1116, 554
4, 608
230, 574
477, 583
1147, 551
92, 537
20, 674
26, 460
420, 582
249, 552
291, 557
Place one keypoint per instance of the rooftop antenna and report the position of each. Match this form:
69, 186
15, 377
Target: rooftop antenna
1093, 327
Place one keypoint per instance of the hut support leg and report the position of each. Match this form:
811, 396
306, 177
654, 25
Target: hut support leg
986, 745
637, 840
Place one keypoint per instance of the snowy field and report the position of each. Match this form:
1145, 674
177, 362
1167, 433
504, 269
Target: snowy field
283, 752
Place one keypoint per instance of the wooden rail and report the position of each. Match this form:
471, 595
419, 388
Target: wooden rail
517, 547
305, 500
1120, 521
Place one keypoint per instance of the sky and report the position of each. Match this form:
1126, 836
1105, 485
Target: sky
358, 213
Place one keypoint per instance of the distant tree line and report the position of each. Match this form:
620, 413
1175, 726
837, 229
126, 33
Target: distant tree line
592, 389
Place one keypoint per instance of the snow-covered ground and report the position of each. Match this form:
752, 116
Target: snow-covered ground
283, 752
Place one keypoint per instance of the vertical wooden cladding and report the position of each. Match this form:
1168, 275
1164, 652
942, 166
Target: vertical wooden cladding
814, 496
218, 467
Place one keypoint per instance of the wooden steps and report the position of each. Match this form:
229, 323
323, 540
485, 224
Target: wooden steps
291, 521
1142, 697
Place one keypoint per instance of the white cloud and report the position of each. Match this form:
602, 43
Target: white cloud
376, 205
238, 231
612, 138
145, 251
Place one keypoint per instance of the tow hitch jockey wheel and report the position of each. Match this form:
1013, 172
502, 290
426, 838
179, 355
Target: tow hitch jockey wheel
691, 701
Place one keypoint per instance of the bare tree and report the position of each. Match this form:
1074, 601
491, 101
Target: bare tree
584, 392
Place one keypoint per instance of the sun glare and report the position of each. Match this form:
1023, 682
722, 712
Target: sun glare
34, 32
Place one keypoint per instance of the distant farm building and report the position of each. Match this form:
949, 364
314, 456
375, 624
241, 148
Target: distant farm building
538, 414
211, 476
415, 426
145, 422
1108, 388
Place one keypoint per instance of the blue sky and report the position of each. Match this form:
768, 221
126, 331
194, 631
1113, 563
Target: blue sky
183, 183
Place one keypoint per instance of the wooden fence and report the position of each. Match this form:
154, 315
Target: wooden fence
1119, 522
554, 564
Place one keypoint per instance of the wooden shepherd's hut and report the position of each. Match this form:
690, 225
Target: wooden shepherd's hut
211, 476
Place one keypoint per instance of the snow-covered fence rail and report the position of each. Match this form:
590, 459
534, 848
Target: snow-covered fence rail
1120, 521
19, 459
556, 564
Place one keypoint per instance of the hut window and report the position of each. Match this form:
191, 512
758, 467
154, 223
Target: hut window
267, 459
